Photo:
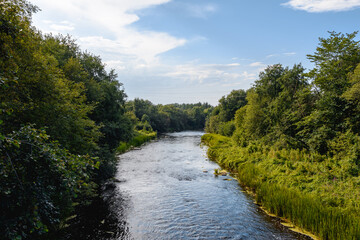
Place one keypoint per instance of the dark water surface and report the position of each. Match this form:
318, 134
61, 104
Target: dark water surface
166, 193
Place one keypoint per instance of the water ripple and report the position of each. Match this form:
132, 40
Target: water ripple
173, 194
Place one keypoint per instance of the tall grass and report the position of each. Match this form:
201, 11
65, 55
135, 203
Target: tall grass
295, 185
139, 139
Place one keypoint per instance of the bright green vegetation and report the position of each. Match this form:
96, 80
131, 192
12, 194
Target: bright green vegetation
294, 185
294, 139
63, 118
139, 139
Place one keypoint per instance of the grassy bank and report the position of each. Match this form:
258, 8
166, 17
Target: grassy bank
314, 192
140, 138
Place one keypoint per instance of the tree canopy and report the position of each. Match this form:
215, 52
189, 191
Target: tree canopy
62, 117
291, 108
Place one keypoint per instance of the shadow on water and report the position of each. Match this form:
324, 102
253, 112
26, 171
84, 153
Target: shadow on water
99, 221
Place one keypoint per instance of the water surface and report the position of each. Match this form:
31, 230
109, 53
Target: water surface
169, 191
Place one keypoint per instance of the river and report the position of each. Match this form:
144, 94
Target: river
167, 190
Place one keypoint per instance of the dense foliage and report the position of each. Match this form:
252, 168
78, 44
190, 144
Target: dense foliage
222, 116
40, 181
170, 117
295, 141
63, 118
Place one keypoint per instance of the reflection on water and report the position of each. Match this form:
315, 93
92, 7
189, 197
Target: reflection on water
169, 191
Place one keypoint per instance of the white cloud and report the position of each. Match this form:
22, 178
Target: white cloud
114, 64
234, 64
114, 17
144, 47
323, 5
257, 64
209, 74
260, 66
63, 26
249, 76
107, 28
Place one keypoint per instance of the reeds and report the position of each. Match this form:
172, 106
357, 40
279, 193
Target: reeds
314, 192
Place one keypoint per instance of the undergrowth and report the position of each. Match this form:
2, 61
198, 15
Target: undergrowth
317, 193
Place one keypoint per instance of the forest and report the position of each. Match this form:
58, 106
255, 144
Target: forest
293, 140
63, 120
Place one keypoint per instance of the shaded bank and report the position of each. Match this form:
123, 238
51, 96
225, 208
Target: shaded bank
98, 221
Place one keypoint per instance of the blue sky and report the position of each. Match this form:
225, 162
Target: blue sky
189, 51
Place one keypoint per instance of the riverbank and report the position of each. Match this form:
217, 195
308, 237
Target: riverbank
174, 195
139, 139
96, 220
291, 185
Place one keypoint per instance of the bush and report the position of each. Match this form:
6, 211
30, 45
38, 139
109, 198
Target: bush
228, 128
39, 183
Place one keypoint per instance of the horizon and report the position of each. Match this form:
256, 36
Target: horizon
171, 51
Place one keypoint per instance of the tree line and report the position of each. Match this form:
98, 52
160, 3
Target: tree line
62, 118
293, 138
169, 117
291, 108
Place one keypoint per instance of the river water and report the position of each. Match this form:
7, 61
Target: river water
168, 191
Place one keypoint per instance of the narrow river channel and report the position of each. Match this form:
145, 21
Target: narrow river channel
169, 191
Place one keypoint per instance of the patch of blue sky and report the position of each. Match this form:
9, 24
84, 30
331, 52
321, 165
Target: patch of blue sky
196, 50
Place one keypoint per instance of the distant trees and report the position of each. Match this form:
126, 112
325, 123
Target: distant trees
171, 117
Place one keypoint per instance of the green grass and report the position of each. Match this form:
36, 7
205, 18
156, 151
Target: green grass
139, 139
316, 193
